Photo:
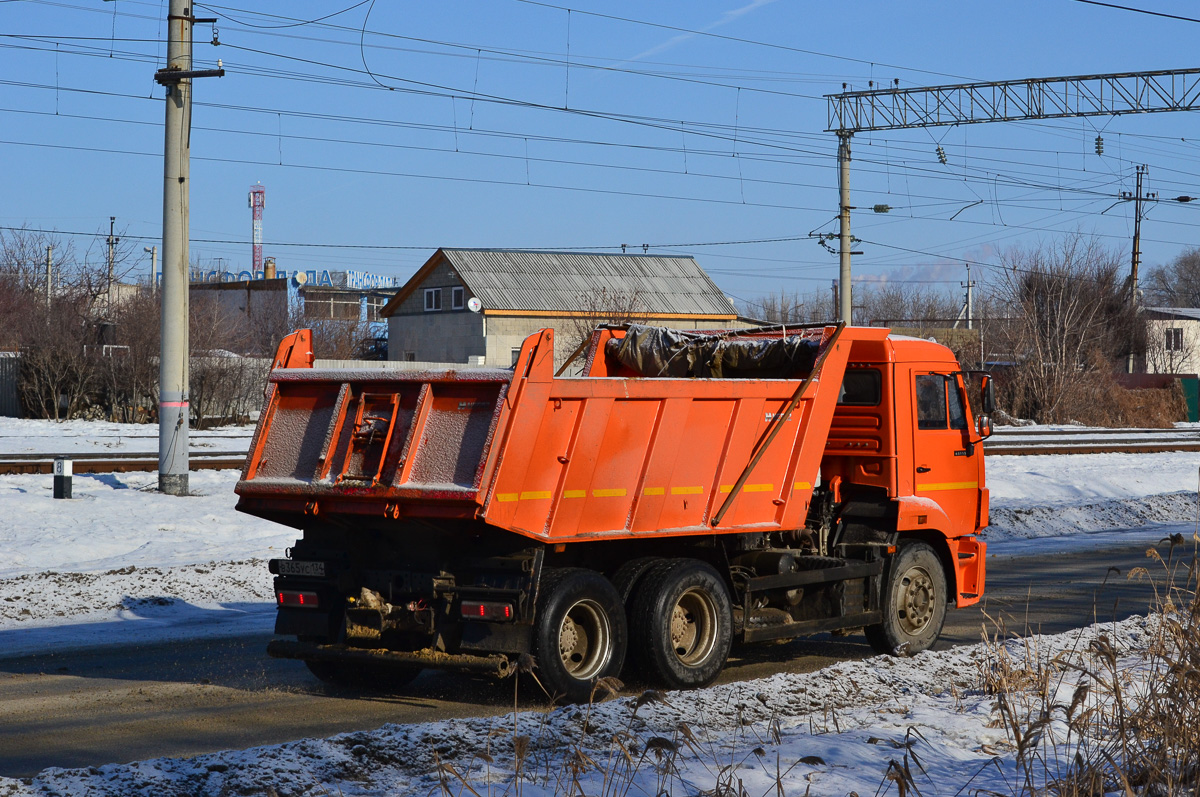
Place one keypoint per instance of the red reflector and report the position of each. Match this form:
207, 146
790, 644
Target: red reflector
487, 610
308, 600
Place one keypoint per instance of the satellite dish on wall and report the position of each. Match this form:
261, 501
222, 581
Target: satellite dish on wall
300, 277
474, 305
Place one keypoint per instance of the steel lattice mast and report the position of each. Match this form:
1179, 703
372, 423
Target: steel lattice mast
1113, 94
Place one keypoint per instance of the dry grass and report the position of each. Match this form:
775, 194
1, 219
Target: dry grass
1088, 721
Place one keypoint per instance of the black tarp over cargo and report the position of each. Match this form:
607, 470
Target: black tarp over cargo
658, 351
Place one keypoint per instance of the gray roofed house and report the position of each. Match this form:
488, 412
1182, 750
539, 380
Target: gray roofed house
434, 318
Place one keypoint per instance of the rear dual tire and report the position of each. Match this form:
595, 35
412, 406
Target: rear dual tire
681, 623
580, 633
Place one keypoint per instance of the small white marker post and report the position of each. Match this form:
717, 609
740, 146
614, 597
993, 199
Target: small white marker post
62, 478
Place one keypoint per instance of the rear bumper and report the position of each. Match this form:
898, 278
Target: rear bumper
497, 665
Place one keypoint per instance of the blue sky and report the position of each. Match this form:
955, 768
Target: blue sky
398, 127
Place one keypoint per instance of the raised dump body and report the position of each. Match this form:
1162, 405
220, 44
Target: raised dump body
685, 489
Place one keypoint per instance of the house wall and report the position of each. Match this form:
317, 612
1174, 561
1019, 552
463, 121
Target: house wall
448, 336
1159, 359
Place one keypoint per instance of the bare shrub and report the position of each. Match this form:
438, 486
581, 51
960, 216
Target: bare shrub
57, 376
223, 384
1069, 320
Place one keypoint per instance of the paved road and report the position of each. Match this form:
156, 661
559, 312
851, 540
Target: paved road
134, 702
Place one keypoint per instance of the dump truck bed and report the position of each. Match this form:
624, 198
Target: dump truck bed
606, 455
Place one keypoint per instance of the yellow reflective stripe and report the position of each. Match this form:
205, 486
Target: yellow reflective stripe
613, 493
749, 488
949, 486
506, 497
535, 495
654, 491
687, 491
802, 486
574, 493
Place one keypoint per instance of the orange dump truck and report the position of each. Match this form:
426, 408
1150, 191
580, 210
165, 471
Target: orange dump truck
684, 491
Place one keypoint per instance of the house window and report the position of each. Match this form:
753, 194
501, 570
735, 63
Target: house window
375, 303
458, 298
433, 299
325, 305
410, 356
516, 355
1174, 341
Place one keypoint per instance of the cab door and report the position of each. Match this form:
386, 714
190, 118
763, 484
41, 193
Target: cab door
946, 454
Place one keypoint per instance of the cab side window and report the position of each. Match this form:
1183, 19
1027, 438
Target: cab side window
958, 416
931, 401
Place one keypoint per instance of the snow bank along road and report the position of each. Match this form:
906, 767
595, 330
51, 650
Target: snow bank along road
173, 598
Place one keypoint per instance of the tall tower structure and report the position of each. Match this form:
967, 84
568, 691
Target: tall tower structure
258, 200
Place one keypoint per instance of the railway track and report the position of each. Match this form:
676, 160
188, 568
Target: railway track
1018, 441
1007, 442
110, 462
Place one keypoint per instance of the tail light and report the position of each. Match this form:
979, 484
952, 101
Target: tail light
306, 600
486, 610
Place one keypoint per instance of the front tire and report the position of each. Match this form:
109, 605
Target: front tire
914, 602
682, 623
580, 633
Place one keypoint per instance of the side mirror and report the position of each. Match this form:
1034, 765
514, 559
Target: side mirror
983, 425
988, 391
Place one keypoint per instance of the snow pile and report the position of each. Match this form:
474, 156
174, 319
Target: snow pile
836, 731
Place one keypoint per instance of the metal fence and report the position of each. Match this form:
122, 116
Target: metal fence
10, 402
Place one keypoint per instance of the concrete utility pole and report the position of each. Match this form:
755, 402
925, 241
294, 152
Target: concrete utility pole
153, 250
1136, 257
112, 242
845, 308
173, 409
970, 286
49, 274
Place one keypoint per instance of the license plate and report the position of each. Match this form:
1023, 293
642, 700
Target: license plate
288, 567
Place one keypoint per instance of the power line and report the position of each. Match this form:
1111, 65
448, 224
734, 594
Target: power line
710, 34
1138, 10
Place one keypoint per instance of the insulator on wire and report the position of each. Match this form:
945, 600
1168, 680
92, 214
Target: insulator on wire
941, 153
1099, 145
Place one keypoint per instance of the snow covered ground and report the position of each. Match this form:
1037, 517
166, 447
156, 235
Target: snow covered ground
120, 561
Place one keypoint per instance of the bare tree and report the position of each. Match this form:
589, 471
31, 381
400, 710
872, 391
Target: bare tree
223, 385
791, 308
604, 307
1069, 320
1176, 284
